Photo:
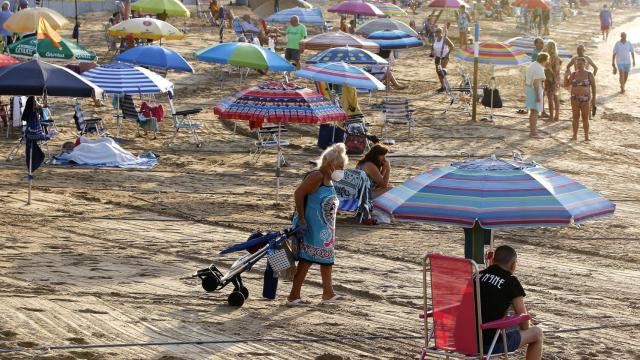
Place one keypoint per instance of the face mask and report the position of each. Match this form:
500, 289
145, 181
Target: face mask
337, 175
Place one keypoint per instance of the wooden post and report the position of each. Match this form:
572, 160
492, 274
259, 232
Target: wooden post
476, 50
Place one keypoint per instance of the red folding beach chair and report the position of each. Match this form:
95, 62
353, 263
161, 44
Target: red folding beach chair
455, 310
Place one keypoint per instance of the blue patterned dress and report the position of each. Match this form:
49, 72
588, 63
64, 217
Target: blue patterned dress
317, 244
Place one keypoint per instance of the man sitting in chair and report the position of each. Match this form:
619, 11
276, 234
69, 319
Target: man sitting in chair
499, 289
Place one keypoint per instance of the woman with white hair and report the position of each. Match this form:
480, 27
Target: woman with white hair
316, 207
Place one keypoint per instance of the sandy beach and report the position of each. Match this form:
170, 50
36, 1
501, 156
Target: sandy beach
105, 256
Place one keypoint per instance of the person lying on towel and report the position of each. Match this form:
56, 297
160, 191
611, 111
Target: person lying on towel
100, 151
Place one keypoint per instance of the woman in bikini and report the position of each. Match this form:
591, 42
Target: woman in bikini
552, 80
583, 89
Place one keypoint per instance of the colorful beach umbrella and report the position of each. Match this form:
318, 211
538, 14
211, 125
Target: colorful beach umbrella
355, 7
533, 4
495, 53
394, 39
309, 17
244, 55
264, 8
495, 193
171, 7
335, 39
120, 79
155, 56
26, 48
6, 60
348, 55
278, 102
341, 73
27, 20
374, 25
446, 4
146, 28
390, 9
525, 44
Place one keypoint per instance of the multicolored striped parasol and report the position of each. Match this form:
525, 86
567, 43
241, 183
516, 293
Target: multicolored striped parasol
394, 39
495, 53
374, 25
348, 55
356, 8
497, 194
390, 9
278, 102
446, 4
525, 44
330, 40
341, 73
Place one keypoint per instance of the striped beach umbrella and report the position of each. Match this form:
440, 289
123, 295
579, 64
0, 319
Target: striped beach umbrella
374, 25
341, 73
330, 40
348, 55
525, 44
244, 55
355, 7
120, 79
495, 193
309, 17
390, 9
495, 53
394, 39
278, 102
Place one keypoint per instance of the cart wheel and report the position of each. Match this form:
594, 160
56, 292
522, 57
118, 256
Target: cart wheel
245, 292
210, 283
236, 299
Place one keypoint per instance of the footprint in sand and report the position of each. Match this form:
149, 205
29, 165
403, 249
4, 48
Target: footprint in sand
92, 311
8, 334
77, 340
32, 309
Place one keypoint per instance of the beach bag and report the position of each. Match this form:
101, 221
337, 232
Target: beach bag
280, 259
355, 144
486, 98
329, 134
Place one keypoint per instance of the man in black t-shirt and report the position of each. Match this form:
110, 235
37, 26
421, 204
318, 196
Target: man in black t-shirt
499, 289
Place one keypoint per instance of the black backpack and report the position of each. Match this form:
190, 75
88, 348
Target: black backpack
486, 98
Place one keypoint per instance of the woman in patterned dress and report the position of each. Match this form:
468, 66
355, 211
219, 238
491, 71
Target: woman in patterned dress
316, 206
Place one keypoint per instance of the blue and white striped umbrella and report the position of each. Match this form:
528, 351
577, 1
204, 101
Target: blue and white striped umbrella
349, 55
309, 17
497, 194
394, 39
127, 79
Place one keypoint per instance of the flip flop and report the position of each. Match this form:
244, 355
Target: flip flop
521, 111
335, 299
298, 302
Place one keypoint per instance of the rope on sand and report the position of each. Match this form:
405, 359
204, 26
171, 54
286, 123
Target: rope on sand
277, 340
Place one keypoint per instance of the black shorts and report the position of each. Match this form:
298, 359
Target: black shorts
292, 54
513, 342
438, 59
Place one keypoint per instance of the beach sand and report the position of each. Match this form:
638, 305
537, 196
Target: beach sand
105, 256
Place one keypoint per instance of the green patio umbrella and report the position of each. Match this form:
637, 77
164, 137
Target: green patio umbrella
26, 48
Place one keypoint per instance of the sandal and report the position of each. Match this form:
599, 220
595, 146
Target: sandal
298, 302
335, 299
521, 111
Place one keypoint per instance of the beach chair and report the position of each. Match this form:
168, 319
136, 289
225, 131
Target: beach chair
354, 194
240, 30
39, 131
129, 111
455, 313
269, 136
183, 119
396, 111
460, 93
86, 126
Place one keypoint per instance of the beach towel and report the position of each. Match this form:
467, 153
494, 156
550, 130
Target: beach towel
104, 152
354, 193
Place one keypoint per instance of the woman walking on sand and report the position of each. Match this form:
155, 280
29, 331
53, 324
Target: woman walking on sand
463, 25
583, 89
552, 80
316, 207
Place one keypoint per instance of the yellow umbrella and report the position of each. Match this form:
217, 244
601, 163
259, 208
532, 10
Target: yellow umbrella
27, 20
171, 7
146, 28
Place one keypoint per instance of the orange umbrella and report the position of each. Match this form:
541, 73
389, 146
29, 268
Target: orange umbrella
6, 60
532, 4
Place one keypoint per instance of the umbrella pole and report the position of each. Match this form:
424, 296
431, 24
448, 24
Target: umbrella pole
278, 165
30, 176
476, 50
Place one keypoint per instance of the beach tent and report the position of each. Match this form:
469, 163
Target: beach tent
309, 17
264, 8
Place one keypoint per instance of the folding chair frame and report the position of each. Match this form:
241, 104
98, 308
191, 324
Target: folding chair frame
396, 117
501, 330
458, 93
183, 120
273, 139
